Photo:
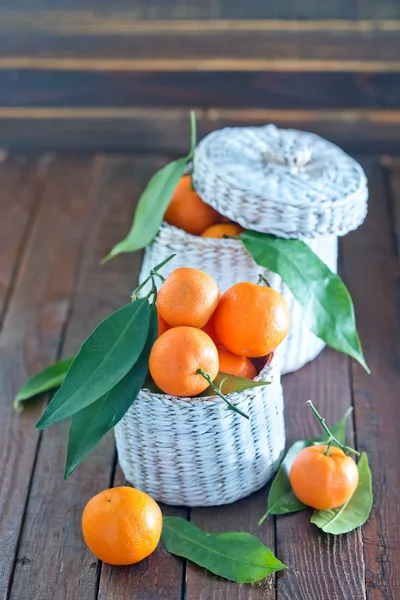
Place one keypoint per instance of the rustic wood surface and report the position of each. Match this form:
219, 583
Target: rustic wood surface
75, 74
58, 218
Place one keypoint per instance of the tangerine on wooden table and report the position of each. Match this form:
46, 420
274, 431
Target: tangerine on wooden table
251, 320
176, 357
187, 297
323, 481
122, 525
187, 210
222, 229
235, 365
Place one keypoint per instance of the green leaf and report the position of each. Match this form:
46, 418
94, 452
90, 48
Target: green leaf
103, 360
43, 381
239, 557
154, 202
89, 425
355, 512
325, 301
232, 383
281, 498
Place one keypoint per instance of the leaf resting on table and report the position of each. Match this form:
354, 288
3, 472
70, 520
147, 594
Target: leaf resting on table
239, 557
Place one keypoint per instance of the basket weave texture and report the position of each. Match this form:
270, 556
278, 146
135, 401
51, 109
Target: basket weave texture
198, 452
286, 182
229, 263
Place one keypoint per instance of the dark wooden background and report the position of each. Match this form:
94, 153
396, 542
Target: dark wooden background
122, 75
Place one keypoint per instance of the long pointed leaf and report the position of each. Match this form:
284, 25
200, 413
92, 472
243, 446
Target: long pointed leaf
154, 202
43, 381
355, 512
237, 556
103, 360
326, 303
89, 425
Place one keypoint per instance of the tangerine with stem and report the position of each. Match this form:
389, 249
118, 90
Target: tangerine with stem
323, 477
251, 320
188, 297
177, 358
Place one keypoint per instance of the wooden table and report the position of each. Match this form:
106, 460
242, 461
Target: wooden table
58, 218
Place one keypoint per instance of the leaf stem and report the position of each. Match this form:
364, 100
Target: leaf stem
153, 272
220, 394
332, 438
262, 279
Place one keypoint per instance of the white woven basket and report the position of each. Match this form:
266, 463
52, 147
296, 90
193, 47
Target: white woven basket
285, 182
229, 263
198, 452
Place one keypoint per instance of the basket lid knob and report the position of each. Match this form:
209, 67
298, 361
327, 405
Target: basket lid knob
285, 148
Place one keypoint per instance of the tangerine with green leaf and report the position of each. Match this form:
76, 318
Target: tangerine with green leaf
251, 320
323, 477
176, 358
187, 210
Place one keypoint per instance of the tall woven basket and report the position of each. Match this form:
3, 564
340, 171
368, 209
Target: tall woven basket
288, 183
198, 452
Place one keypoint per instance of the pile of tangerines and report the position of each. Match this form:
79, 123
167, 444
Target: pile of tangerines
187, 211
202, 332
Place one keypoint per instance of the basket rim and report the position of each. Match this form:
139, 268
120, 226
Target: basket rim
207, 401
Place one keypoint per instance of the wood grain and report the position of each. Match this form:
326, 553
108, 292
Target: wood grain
33, 328
319, 565
203, 9
393, 186
167, 130
18, 201
371, 272
41, 40
189, 88
159, 577
66, 568
240, 516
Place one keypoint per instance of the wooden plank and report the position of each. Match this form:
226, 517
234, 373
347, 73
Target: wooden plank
18, 199
320, 566
54, 506
59, 562
371, 272
237, 89
203, 9
159, 577
33, 328
238, 49
393, 182
240, 516
167, 130
384, 9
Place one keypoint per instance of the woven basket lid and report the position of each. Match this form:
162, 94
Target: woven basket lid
281, 181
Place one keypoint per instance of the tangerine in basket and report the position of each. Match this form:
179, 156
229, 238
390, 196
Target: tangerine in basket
222, 229
122, 525
251, 320
209, 329
187, 297
235, 365
187, 210
162, 325
177, 356
321, 480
